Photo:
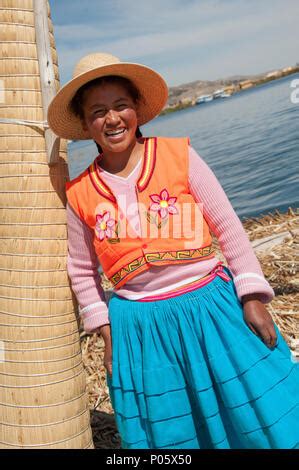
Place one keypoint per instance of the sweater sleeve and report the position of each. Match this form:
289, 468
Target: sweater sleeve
227, 227
82, 267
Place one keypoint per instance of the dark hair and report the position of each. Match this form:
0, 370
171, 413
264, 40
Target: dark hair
77, 102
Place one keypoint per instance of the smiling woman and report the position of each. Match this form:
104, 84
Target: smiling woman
94, 101
110, 117
78, 100
195, 359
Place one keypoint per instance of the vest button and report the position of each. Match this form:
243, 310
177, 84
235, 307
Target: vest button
144, 245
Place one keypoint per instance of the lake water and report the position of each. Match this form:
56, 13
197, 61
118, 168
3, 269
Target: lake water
250, 141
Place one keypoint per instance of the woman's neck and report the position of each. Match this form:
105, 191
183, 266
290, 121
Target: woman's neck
124, 162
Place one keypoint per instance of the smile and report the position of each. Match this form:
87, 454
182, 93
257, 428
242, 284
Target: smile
116, 132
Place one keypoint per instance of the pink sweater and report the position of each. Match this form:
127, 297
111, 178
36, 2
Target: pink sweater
82, 262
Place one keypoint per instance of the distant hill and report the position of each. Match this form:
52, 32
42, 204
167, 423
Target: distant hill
187, 93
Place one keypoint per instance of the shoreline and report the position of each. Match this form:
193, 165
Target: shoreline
231, 88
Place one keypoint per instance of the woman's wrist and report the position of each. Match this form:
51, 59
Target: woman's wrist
254, 296
103, 330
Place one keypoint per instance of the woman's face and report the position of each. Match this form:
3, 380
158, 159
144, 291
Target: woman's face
110, 116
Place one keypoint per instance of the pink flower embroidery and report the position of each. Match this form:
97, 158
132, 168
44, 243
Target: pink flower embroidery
104, 225
163, 204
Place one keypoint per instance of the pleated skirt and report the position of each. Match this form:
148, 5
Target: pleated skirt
188, 373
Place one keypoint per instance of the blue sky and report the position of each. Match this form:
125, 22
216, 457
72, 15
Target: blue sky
184, 40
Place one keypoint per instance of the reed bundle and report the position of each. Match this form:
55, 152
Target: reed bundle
42, 379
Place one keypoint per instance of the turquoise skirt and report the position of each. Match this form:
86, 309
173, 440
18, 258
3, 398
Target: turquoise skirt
188, 373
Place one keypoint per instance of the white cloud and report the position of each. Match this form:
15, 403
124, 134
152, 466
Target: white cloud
161, 32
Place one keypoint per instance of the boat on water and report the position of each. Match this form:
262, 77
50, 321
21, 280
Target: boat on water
204, 99
221, 93
225, 95
218, 93
215, 95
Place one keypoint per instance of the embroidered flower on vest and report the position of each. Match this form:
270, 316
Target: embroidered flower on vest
163, 205
104, 227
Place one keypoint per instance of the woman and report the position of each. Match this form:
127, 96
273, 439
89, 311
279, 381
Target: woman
193, 357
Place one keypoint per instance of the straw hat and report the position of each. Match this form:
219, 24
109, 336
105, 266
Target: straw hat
150, 84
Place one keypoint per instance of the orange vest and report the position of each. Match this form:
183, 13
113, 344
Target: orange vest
172, 225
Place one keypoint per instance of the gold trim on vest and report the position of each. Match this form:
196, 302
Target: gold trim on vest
100, 186
148, 163
149, 160
180, 255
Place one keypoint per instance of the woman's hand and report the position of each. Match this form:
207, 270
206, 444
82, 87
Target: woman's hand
105, 331
258, 319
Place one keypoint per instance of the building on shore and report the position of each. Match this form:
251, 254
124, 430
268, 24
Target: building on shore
245, 84
274, 74
287, 69
230, 89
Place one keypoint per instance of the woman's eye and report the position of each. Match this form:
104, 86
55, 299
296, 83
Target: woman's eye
99, 112
121, 106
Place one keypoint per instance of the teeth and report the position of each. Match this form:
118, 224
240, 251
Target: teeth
115, 132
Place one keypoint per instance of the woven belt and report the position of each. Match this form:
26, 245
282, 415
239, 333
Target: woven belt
216, 271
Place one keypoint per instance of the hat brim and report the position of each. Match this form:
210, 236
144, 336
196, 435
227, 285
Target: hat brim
150, 84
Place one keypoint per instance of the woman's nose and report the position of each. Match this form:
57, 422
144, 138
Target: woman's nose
112, 116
